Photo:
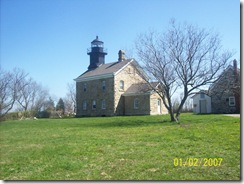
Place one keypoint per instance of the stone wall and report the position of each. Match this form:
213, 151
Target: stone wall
154, 105
143, 105
130, 76
95, 91
222, 91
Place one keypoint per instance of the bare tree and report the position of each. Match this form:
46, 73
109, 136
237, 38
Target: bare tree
18, 90
187, 107
41, 98
184, 57
31, 97
10, 85
27, 94
70, 98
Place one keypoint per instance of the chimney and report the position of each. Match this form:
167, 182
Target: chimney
121, 55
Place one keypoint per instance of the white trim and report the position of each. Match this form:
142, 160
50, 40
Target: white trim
116, 73
141, 71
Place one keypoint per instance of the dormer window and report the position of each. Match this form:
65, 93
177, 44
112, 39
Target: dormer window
121, 85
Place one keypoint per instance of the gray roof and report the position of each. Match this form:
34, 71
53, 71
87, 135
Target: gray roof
140, 88
206, 92
223, 74
105, 69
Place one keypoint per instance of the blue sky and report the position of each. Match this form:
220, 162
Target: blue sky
49, 38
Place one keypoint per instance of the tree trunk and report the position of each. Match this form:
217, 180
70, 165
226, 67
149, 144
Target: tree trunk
177, 117
172, 118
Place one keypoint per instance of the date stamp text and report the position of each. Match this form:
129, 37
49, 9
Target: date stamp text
195, 162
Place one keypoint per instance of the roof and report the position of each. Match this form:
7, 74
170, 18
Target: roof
140, 88
222, 75
206, 92
107, 70
104, 70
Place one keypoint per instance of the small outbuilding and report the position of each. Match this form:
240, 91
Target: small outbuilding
201, 102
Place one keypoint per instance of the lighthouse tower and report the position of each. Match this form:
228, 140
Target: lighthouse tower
97, 54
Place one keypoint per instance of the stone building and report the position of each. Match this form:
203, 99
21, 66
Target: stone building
223, 96
117, 88
225, 93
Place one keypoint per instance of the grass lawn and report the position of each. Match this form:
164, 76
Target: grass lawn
203, 147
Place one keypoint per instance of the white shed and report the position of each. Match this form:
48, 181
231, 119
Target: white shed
201, 103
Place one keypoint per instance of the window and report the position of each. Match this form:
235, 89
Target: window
103, 104
232, 101
130, 70
84, 87
103, 85
136, 103
94, 106
84, 105
121, 85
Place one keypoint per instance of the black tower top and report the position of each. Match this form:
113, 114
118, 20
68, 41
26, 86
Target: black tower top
97, 54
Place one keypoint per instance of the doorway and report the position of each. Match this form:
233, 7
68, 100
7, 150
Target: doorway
203, 106
159, 106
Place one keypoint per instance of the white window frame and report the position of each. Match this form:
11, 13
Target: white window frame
232, 101
94, 104
103, 85
103, 104
121, 85
84, 87
136, 103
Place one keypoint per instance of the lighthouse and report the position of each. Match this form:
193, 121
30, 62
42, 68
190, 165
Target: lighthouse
97, 54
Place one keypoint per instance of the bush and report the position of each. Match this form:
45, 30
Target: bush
10, 116
43, 114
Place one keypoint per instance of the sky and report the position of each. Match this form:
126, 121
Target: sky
49, 38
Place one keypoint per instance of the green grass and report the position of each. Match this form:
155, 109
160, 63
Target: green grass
119, 148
